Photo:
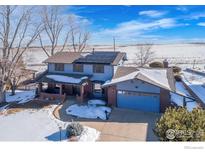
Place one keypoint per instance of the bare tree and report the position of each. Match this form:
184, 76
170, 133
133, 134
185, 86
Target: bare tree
17, 33
19, 75
144, 55
79, 36
53, 29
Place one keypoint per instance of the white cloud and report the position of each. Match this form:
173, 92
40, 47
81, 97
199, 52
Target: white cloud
196, 15
152, 13
134, 30
182, 8
201, 24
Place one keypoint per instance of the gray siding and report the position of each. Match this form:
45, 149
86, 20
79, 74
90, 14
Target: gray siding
137, 85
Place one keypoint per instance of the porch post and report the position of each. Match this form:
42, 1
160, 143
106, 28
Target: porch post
39, 88
61, 89
81, 90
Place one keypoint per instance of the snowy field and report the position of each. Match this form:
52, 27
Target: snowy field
38, 125
180, 54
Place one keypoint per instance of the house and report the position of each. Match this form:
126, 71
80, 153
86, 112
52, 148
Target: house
81, 74
102, 75
140, 88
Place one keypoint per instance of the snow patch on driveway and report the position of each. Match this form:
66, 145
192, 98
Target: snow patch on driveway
91, 112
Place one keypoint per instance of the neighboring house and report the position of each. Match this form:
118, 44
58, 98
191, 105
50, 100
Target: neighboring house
102, 75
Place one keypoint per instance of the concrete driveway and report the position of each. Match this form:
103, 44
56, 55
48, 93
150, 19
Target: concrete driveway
126, 125
123, 124
114, 131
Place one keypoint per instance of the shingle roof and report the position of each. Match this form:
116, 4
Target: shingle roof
159, 77
99, 57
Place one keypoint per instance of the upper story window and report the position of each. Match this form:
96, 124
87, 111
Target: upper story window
59, 67
97, 68
77, 67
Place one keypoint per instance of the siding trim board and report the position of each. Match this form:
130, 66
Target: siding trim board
136, 93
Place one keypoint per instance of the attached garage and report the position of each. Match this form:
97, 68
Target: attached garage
140, 89
138, 101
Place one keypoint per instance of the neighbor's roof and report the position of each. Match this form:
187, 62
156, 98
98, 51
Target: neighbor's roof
98, 57
159, 77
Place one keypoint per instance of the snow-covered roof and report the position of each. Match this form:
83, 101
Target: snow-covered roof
66, 79
157, 77
63, 78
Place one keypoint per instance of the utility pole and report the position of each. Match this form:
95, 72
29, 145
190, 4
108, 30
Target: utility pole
114, 43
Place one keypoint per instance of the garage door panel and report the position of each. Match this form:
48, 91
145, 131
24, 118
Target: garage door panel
143, 103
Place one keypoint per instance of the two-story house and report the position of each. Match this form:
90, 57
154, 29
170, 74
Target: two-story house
82, 74
102, 75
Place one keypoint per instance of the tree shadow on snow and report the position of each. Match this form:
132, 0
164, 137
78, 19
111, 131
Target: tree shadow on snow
56, 136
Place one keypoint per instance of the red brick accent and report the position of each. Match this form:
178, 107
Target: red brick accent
88, 88
164, 99
112, 96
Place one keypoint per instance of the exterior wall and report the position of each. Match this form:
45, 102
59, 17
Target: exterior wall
112, 96
88, 69
164, 99
137, 85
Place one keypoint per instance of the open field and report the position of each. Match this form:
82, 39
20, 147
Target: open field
183, 55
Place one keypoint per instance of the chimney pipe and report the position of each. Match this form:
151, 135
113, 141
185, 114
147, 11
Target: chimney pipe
166, 63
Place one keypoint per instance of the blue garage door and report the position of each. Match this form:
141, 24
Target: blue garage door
149, 103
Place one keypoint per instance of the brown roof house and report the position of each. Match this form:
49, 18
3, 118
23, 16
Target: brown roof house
102, 75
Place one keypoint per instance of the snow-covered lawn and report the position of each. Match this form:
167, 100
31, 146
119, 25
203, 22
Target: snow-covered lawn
86, 111
21, 96
39, 125
178, 99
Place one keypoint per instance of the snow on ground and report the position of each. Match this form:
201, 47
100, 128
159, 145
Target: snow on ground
94, 102
180, 54
21, 96
91, 112
89, 134
62, 78
196, 83
179, 99
38, 125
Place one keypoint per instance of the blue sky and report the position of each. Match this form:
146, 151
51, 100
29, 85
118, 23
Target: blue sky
134, 24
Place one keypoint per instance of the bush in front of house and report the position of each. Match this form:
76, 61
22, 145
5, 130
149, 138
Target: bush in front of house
178, 124
178, 78
156, 64
74, 129
176, 69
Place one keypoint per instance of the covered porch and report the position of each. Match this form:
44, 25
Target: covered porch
64, 85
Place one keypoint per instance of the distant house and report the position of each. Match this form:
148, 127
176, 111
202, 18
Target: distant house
102, 75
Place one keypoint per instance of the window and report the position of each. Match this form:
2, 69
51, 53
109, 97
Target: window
77, 67
59, 67
98, 68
